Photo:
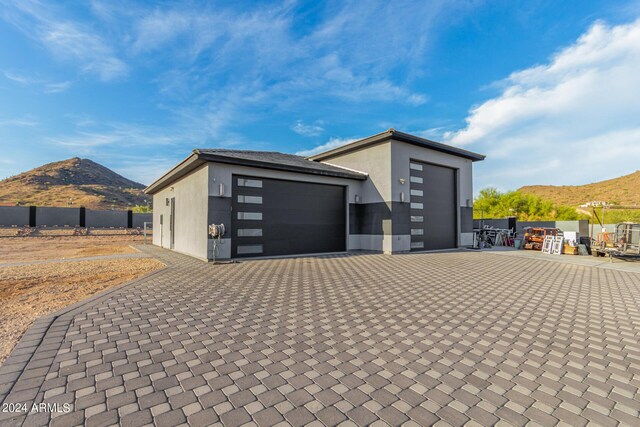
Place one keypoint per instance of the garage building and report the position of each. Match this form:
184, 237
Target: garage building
392, 192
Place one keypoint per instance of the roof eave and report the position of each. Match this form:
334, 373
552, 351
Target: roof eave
181, 169
198, 158
380, 137
437, 146
392, 134
290, 168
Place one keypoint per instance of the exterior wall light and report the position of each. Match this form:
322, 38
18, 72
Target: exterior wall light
357, 199
221, 189
402, 196
402, 181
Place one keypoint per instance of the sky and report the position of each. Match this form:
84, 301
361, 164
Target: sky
548, 90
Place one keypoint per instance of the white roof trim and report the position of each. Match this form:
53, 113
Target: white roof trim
345, 168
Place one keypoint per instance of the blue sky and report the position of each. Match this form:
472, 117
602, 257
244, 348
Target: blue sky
547, 89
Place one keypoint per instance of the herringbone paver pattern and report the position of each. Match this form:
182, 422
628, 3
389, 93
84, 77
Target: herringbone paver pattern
450, 338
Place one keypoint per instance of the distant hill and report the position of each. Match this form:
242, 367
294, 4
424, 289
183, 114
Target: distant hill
80, 181
624, 190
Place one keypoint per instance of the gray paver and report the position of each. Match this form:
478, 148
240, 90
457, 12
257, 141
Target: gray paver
418, 339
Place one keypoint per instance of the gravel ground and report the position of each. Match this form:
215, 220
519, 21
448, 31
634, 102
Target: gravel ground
19, 249
68, 231
27, 293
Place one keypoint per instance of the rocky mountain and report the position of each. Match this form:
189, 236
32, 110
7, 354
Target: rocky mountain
73, 182
624, 190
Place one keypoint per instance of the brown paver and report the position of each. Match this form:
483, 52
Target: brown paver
444, 338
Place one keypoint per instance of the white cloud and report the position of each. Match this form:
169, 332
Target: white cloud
339, 57
159, 28
65, 39
47, 87
573, 120
330, 145
118, 135
85, 140
57, 87
17, 78
26, 121
300, 128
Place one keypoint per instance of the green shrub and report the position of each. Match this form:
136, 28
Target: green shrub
526, 207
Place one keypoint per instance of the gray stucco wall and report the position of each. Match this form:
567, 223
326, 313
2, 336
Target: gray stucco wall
402, 154
374, 161
387, 163
220, 205
106, 218
386, 223
14, 216
383, 226
52, 217
200, 203
192, 203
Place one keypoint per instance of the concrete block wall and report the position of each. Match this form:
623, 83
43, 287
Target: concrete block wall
581, 226
21, 216
610, 228
57, 217
140, 218
14, 216
106, 218
502, 223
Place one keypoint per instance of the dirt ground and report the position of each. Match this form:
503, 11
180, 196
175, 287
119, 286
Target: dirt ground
28, 292
19, 249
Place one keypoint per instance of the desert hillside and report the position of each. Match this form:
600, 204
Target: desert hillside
624, 190
81, 182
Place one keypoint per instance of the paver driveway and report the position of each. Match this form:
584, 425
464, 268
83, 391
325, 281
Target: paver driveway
455, 338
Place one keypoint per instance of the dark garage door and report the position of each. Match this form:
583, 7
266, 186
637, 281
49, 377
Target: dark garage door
433, 207
278, 217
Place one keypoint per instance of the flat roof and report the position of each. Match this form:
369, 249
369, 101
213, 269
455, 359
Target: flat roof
395, 135
260, 159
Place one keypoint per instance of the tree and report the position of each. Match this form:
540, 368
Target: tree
492, 203
142, 209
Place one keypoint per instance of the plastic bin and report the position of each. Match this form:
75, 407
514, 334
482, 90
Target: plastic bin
517, 243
